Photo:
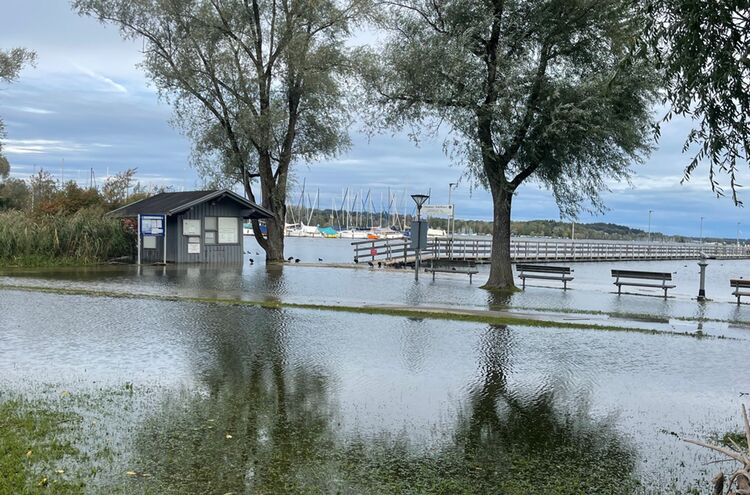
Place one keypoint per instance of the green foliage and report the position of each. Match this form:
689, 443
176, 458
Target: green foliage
4, 168
702, 49
83, 237
12, 61
14, 194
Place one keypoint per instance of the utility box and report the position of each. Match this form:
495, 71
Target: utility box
419, 235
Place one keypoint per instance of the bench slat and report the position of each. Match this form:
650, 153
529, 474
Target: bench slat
739, 283
636, 284
543, 268
545, 277
451, 270
642, 275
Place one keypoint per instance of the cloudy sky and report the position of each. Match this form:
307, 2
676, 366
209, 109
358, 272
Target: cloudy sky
87, 106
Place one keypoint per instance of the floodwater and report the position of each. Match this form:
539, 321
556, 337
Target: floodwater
232, 399
592, 290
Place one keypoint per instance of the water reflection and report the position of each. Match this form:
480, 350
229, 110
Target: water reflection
260, 427
267, 421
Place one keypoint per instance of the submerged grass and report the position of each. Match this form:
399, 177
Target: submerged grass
496, 318
33, 450
628, 316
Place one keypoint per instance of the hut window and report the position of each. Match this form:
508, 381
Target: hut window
210, 227
228, 230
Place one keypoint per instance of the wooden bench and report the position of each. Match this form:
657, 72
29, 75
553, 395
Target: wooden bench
737, 284
466, 271
546, 272
639, 275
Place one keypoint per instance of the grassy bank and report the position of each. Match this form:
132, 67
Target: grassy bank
83, 237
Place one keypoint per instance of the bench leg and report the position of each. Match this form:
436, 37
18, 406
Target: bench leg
665, 293
433, 276
619, 289
565, 285
470, 276
523, 283
738, 298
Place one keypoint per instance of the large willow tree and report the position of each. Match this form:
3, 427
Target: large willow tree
255, 83
551, 91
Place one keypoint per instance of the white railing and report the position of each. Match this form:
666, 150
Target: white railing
399, 250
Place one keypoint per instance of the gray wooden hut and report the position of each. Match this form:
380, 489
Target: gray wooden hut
191, 226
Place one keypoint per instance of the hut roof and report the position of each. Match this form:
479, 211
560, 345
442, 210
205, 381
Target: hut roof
171, 203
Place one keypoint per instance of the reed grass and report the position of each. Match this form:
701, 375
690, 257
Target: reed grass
84, 237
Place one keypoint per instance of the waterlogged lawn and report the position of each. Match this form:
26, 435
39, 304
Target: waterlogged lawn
265, 441
35, 449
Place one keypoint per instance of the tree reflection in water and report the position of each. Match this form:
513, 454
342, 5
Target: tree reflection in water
268, 425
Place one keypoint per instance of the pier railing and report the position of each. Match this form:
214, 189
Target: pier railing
398, 250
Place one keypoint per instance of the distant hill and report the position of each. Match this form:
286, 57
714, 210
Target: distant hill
553, 228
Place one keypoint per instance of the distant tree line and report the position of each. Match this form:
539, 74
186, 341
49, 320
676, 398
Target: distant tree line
42, 194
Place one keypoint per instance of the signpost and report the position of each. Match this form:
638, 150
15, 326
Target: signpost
419, 199
442, 211
152, 226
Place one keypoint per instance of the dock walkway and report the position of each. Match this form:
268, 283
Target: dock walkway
477, 250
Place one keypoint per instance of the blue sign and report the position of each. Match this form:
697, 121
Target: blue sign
152, 225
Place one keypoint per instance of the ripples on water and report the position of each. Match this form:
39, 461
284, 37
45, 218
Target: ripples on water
253, 400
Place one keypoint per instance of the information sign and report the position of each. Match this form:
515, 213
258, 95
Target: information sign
152, 225
437, 210
191, 227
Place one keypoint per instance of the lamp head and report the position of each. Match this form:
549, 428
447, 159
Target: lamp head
420, 199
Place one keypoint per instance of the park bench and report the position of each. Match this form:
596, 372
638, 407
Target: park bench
738, 284
470, 271
545, 272
664, 277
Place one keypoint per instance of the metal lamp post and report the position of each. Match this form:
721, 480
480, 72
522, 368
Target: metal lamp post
451, 220
419, 199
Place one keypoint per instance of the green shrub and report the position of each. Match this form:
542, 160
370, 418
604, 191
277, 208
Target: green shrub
86, 236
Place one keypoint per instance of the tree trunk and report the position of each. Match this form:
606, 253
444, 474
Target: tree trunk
275, 241
501, 272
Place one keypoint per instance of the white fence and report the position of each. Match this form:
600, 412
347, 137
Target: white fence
398, 250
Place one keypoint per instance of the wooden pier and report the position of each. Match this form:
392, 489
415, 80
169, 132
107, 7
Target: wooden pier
477, 250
